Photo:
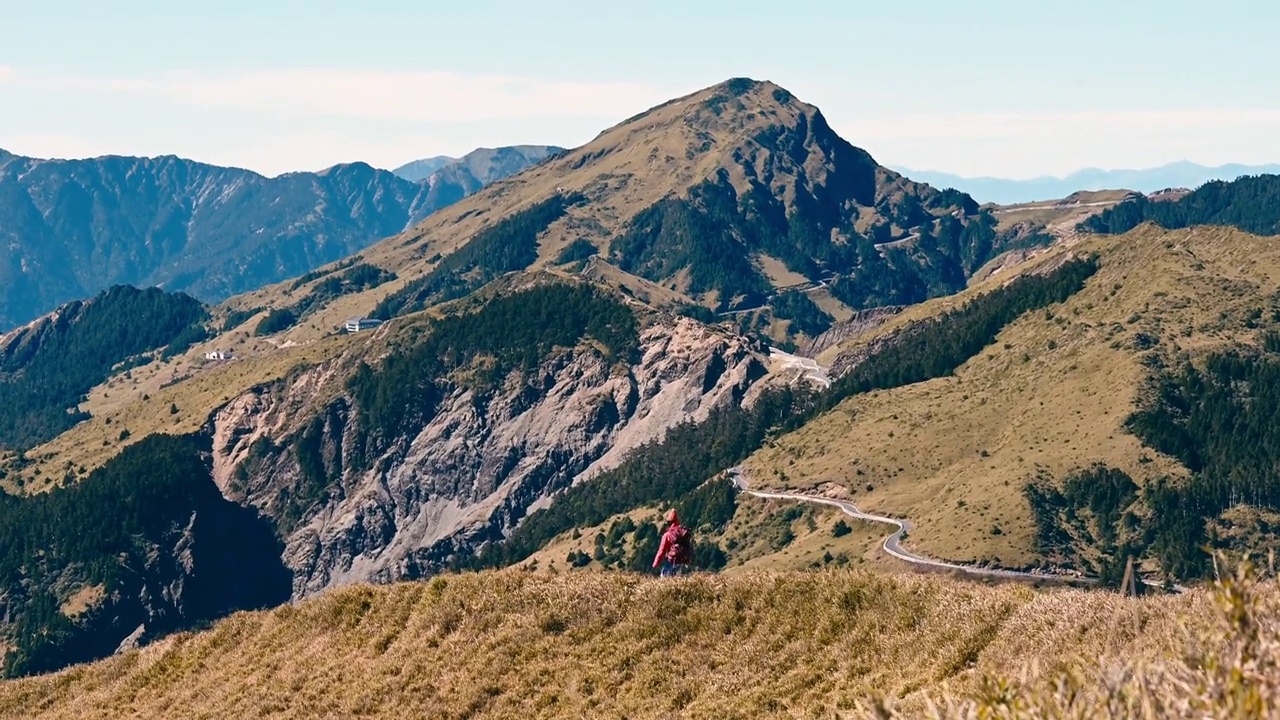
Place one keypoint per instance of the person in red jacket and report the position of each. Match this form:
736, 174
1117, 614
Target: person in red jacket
675, 550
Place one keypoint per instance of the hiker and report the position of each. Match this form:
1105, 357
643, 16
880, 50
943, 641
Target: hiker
675, 551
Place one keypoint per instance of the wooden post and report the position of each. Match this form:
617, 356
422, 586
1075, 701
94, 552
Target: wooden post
1129, 586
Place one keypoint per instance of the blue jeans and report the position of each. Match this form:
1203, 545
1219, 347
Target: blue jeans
669, 569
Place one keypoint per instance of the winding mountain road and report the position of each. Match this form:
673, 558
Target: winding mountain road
1052, 206
898, 243
893, 543
805, 287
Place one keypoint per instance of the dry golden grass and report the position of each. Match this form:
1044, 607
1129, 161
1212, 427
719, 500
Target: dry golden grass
85, 598
749, 539
1230, 669
525, 645
778, 273
1060, 214
207, 386
1052, 392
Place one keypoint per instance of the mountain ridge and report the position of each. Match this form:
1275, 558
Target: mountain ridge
75, 227
419, 170
1006, 191
485, 164
749, 156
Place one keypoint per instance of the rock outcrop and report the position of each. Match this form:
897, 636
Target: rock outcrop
478, 466
860, 322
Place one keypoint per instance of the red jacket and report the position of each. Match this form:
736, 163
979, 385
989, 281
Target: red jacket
664, 546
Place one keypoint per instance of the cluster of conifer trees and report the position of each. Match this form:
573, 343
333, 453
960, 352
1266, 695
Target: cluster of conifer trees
47, 372
1219, 420
1249, 203
121, 530
511, 332
508, 245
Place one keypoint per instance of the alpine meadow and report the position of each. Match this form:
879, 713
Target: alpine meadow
706, 414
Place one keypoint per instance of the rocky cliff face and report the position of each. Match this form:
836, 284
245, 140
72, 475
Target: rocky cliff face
860, 322
477, 467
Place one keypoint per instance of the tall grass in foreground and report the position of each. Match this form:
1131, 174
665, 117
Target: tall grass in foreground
824, 645
1230, 670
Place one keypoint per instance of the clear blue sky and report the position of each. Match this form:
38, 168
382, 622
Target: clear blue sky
982, 87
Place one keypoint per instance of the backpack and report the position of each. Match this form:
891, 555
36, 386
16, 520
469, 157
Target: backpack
680, 545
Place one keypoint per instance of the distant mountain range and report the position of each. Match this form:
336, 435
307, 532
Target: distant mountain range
419, 170
484, 164
1006, 192
71, 228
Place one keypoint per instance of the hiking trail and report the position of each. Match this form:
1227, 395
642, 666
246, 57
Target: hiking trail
892, 544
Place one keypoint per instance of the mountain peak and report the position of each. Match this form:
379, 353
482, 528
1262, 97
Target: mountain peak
740, 86
358, 167
717, 198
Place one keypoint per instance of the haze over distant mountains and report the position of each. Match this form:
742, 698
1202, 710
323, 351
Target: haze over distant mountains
484, 164
422, 169
1006, 191
72, 228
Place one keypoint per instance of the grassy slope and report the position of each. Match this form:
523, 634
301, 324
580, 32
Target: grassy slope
1062, 214
918, 451
751, 539
625, 169
517, 644
207, 386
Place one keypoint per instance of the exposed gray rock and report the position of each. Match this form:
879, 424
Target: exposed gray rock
133, 641
480, 463
861, 322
